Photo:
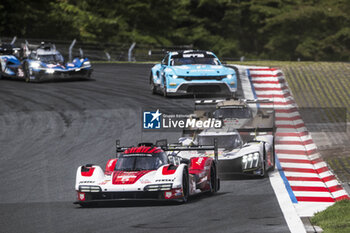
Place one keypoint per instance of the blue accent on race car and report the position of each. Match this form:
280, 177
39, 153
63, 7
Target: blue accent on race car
41, 62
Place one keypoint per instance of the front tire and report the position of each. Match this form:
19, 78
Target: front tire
26, 72
165, 94
264, 169
213, 180
185, 186
152, 86
273, 156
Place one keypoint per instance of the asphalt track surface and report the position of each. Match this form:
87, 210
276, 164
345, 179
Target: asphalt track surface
49, 129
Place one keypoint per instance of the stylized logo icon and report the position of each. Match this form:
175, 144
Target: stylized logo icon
151, 120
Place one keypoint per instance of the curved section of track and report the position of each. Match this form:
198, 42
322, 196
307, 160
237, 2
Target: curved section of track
49, 129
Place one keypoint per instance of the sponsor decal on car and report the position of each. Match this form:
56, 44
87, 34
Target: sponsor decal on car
123, 179
168, 194
81, 196
87, 182
164, 180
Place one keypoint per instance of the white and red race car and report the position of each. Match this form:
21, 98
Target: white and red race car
149, 172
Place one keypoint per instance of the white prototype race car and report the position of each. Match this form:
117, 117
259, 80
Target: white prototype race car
250, 153
246, 140
149, 172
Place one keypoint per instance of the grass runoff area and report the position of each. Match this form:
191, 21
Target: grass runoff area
335, 219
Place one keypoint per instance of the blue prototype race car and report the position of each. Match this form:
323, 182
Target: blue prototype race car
35, 63
191, 72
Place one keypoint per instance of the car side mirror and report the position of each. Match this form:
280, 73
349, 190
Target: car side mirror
171, 159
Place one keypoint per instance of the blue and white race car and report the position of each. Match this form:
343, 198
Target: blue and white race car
40, 62
190, 72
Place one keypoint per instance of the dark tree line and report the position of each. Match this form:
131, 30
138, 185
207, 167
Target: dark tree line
261, 29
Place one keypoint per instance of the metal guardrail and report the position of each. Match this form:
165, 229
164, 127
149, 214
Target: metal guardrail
103, 51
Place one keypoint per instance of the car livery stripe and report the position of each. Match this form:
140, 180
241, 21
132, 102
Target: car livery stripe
304, 171
126, 177
142, 149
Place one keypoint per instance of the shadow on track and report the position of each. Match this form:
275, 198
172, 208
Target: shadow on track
147, 203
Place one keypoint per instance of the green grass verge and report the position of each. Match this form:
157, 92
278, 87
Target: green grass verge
316, 84
335, 219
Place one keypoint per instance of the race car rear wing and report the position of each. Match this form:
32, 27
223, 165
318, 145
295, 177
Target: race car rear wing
228, 103
258, 129
163, 144
178, 147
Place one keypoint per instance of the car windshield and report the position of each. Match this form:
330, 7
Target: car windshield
51, 58
240, 113
228, 142
194, 58
138, 162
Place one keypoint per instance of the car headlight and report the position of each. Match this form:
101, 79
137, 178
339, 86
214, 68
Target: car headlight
250, 161
173, 76
229, 76
89, 188
35, 64
86, 64
50, 71
158, 187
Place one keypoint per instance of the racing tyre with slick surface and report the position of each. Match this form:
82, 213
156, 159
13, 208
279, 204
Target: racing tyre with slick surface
165, 94
213, 180
264, 170
185, 186
26, 72
152, 86
273, 156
